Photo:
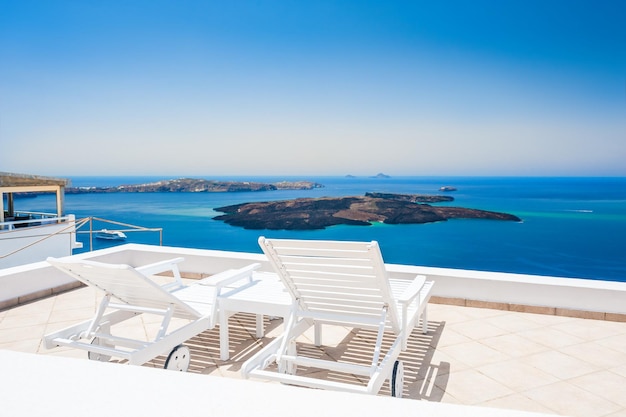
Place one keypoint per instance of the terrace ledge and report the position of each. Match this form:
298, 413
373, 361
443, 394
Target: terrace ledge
585, 298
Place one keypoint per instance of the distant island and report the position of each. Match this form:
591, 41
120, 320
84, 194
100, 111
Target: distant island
193, 185
319, 213
379, 175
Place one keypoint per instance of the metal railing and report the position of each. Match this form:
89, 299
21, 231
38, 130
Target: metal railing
21, 219
12, 229
129, 229
13, 233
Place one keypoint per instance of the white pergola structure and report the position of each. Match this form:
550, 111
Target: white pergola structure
22, 183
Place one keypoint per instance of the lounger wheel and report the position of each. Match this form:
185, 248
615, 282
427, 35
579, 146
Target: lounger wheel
178, 359
397, 379
94, 356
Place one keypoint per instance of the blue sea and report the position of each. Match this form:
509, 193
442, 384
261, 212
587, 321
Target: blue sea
571, 227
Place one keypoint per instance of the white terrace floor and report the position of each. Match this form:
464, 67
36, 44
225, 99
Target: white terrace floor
471, 356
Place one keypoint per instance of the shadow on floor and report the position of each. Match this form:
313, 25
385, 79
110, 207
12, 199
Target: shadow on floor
424, 380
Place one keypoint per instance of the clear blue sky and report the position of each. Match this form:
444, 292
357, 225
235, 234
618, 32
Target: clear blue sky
212, 88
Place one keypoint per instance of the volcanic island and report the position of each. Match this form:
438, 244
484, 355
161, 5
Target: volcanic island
323, 212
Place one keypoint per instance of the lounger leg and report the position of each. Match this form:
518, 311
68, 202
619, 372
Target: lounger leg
224, 343
318, 333
291, 367
425, 320
259, 326
95, 322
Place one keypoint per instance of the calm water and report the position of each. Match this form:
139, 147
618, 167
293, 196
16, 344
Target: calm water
572, 227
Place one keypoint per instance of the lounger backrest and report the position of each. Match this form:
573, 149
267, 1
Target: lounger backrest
125, 284
333, 277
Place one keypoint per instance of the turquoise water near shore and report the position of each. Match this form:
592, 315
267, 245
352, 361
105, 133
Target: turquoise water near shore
572, 227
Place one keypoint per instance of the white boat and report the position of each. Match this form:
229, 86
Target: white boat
110, 235
447, 188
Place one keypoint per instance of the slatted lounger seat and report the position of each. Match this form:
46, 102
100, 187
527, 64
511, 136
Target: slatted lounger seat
340, 283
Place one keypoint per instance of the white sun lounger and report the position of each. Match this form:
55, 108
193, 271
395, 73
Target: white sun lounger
129, 292
346, 284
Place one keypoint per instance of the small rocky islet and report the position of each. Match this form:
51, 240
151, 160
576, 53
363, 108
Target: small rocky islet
319, 213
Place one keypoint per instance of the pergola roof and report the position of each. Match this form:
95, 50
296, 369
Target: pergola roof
22, 183
8, 179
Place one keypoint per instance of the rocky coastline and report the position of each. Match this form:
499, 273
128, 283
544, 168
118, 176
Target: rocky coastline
319, 213
193, 185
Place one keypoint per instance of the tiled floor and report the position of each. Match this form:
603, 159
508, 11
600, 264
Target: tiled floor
472, 356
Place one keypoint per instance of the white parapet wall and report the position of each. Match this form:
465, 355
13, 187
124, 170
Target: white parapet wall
21, 284
488, 289
70, 387
498, 290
